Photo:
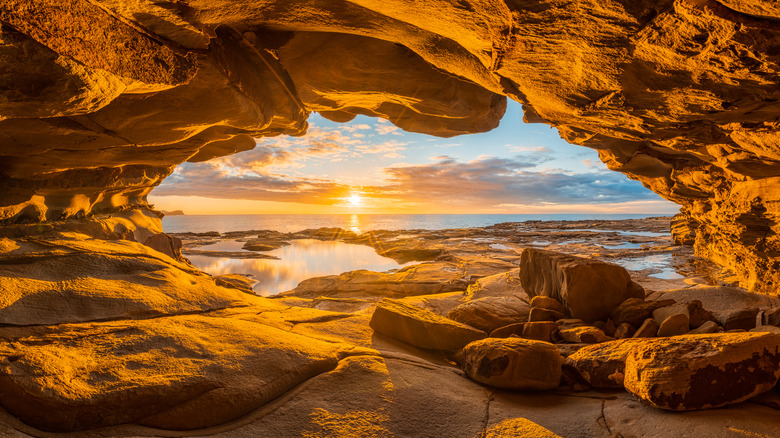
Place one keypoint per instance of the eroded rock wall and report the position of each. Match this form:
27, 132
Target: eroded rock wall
100, 99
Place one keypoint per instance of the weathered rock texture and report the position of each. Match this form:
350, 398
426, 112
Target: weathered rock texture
99, 100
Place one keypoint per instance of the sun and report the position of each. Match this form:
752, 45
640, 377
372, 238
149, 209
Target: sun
355, 200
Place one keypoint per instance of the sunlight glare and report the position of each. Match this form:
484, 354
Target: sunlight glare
355, 200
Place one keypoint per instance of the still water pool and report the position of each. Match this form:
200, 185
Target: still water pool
302, 259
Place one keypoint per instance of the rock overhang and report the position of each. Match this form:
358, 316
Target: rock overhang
682, 95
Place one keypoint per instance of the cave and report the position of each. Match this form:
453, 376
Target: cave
107, 329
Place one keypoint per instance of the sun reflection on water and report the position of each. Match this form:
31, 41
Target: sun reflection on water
354, 224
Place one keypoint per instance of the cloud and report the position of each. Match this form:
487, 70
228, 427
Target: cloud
541, 149
492, 182
594, 164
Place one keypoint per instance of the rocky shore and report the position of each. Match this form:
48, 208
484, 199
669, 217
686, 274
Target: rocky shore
485, 334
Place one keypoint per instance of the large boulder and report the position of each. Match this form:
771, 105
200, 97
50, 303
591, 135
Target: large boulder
703, 371
513, 363
590, 289
490, 313
421, 328
603, 365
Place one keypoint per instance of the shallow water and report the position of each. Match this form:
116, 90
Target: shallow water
658, 262
300, 260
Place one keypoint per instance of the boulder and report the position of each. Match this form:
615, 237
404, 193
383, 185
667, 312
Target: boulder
772, 317
540, 314
518, 428
590, 289
505, 284
420, 327
513, 363
547, 303
739, 319
694, 310
490, 313
540, 331
509, 330
635, 311
693, 372
707, 327
583, 334
674, 325
603, 365
731, 307
624, 330
648, 329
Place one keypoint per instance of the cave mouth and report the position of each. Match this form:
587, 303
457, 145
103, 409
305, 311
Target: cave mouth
105, 324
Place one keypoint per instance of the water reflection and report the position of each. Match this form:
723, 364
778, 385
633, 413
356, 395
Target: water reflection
659, 262
300, 260
354, 224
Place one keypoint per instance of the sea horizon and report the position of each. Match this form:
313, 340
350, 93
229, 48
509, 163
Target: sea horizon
363, 222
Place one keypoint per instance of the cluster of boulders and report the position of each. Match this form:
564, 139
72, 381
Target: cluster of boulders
586, 324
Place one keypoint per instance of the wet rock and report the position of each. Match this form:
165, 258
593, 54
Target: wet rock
648, 329
490, 313
693, 372
590, 289
583, 334
624, 330
635, 310
421, 328
547, 303
540, 314
509, 330
513, 363
539, 331
707, 327
603, 365
674, 325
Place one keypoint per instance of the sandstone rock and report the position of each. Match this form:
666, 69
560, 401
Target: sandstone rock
540, 314
547, 303
490, 313
635, 311
766, 329
603, 365
589, 289
424, 279
744, 319
168, 245
674, 325
772, 317
77, 279
648, 329
539, 331
703, 371
519, 428
583, 334
609, 327
624, 330
707, 327
499, 285
200, 371
513, 363
421, 328
509, 330
236, 281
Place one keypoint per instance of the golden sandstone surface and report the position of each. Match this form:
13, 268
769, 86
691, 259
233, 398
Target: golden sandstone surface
101, 99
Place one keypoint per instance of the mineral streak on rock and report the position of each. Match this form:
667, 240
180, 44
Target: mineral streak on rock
682, 95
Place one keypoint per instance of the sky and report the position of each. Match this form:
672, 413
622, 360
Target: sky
370, 166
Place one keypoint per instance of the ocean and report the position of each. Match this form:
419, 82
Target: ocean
361, 223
